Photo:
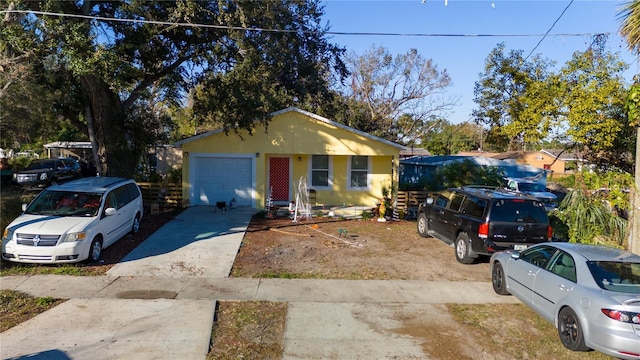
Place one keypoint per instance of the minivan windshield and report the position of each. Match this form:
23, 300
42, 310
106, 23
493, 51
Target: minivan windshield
65, 203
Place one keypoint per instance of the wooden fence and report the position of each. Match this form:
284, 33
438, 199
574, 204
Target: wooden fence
161, 197
411, 199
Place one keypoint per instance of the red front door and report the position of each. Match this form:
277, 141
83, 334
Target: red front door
279, 178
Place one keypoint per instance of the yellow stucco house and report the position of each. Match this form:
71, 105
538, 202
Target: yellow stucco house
338, 164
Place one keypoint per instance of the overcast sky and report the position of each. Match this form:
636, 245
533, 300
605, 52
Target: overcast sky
472, 29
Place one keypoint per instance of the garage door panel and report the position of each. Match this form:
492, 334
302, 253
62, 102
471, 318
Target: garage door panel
222, 179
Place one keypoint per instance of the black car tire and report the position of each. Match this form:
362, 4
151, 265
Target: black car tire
135, 227
423, 225
570, 330
498, 279
463, 251
95, 251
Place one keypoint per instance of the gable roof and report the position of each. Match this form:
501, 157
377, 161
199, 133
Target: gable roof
303, 112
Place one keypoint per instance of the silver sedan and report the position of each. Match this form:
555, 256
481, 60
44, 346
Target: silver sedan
590, 293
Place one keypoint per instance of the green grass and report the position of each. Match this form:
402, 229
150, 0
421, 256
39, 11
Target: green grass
17, 307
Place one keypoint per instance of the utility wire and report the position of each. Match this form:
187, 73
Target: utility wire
241, 28
548, 31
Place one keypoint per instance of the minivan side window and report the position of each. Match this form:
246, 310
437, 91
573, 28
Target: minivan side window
111, 201
126, 194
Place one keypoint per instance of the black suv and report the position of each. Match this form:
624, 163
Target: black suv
41, 173
481, 221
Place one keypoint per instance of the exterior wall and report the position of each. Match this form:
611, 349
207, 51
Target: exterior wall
539, 160
299, 136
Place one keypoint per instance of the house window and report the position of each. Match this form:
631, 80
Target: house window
359, 172
320, 171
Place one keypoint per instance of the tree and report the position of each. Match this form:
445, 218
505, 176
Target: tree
593, 92
394, 97
449, 139
131, 60
513, 99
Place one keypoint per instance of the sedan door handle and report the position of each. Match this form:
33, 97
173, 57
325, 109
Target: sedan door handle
532, 273
564, 288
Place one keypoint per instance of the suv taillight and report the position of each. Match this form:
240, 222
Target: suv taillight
549, 233
483, 230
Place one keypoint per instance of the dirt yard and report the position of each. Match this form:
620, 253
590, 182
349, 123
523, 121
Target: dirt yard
349, 249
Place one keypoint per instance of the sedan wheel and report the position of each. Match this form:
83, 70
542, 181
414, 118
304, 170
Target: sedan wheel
498, 279
423, 227
570, 330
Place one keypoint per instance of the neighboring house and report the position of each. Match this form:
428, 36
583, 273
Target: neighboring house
567, 157
340, 164
539, 159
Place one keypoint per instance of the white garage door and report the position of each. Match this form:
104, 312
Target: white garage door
217, 179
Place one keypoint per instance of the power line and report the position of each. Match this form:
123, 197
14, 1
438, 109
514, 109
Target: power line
342, 33
548, 31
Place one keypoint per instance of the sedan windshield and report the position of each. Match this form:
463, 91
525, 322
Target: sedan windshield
65, 203
616, 276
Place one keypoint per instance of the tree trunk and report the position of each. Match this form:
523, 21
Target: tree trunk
114, 155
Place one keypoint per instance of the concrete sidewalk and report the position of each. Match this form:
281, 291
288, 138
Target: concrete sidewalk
159, 303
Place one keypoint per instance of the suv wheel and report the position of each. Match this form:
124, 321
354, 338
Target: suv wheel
423, 225
464, 254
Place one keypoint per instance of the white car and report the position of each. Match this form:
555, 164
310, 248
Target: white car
590, 293
74, 221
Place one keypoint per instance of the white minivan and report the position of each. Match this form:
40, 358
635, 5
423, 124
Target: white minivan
74, 221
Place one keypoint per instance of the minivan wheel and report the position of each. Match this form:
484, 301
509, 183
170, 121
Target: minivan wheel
464, 255
570, 330
96, 250
423, 226
136, 224
498, 280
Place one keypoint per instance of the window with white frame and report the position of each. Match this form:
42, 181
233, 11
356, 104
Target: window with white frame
320, 170
359, 172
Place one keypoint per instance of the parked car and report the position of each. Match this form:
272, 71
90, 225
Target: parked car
74, 221
590, 293
481, 221
535, 189
41, 173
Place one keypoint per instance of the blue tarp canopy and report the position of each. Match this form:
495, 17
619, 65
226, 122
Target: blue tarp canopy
420, 169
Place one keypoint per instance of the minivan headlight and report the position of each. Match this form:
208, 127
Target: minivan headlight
7, 234
71, 237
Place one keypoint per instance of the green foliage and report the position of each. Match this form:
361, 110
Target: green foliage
467, 172
592, 94
586, 219
632, 103
514, 98
444, 138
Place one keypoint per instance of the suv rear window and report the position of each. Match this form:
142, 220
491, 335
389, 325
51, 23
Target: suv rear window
518, 211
